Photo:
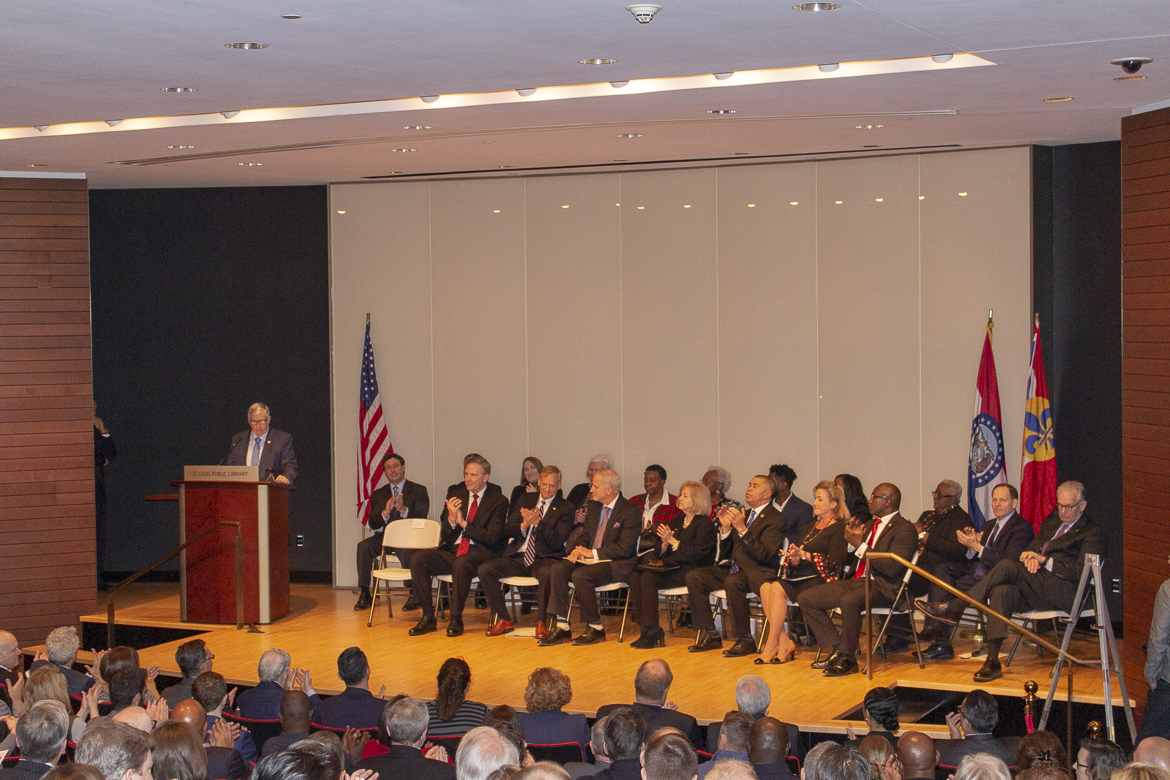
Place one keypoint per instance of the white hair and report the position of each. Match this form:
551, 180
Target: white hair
603, 459
752, 694
258, 408
482, 751
731, 769
982, 766
724, 477
273, 664
62, 645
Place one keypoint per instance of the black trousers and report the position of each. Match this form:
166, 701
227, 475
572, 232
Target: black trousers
426, 564
960, 576
1009, 588
701, 583
644, 587
491, 572
585, 579
816, 603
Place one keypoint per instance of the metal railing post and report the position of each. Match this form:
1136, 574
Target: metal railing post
239, 579
869, 624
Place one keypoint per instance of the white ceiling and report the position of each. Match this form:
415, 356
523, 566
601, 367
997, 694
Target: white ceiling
107, 59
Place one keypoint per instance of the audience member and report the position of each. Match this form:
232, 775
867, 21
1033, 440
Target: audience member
503, 719
211, 691
178, 753
733, 740
1156, 715
917, 756
9, 659
326, 750
580, 493
548, 691
296, 712
193, 659
752, 696
41, 734
877, 751
1097, 759
355, 706
797, 512
880, 709
118, 751
289, 765
61, 647
982, 766
717, 480
669, 755
137, 717
768, 749
657, 505
107, 663
731, 769
855, 498
1040, 747
1045, 771
972, 726
47, 683
625, 731
73, 771
543, 770
1154, 751
402, 728
601, 759
529, 480
276, 676
831, 761
1137, 771
482, 751
651, 687
224, 762
126, 688
451, 714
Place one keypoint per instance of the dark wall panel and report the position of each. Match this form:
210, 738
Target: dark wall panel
205, 300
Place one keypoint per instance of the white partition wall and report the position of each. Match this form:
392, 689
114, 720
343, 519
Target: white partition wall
825, 314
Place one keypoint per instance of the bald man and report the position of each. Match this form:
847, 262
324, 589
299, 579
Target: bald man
768, 749
917, 755
223, 761
1154, 751
137, 717
296, 710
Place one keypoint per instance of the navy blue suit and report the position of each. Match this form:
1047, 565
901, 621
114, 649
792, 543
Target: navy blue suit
263, 701
355, 707
553, 728
277, 453
797, 514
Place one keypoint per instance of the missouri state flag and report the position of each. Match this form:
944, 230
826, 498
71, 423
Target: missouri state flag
985, 467
1038, 468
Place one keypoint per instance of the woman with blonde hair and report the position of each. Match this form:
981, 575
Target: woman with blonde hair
877, 751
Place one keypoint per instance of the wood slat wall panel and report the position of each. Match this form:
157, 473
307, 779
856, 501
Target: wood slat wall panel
1145, 166
46, 453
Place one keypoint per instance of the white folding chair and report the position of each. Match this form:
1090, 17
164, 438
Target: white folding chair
514, 584
679, 594
413, 533
1034, 617
609, 587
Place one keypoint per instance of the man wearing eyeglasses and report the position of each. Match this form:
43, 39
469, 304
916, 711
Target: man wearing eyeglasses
268, 448
1045, 576
943, 555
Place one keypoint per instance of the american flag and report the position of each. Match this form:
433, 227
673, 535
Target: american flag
375, 442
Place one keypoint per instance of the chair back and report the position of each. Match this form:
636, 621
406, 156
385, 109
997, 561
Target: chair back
910, 572
704, 756
451, 744
374, 748
559, 752
261, 730
405, 534
315, 727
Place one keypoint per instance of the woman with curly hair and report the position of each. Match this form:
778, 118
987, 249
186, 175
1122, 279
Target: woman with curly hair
545, 724
451, 714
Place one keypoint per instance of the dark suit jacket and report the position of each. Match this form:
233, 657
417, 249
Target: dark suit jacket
952, 751
492, 487
104, 450
1015, 537
414, 496
628, 769
621, 535
657, 717
901, 538
277, 454
552, 728
579, 495
355, 707
759, 547
551, 532
178, 692
486, 529
263, 701
696, 543
282, 741
1069, 551
226, 764
942, 541
25, 770
797, 515
403, 762
77, 682
773, 771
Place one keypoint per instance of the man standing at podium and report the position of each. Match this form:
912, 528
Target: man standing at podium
265, 447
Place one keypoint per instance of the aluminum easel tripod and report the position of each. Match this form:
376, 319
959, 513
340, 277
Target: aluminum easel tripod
1110, 659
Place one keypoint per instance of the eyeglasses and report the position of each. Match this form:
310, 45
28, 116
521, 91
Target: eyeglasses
257, 422
876, 497
1069, 507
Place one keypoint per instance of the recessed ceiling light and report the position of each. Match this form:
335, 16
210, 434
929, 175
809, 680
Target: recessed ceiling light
870, 127
41, 128
565, 206
629, 135
1057, 100
794, 203
597, 61
879, 200
922, 197
828, 67
751, 205
686, 205
526, 91
723, 76
417, 127
640, 208
838, 202
495, 211
181, 146
962, 194
114, 122
942, 58
816, 7
721, 111
228, 114
617, 204
290, 16
403, 150
619, 84
177, 89
245, 45
1129, 78
35, 165
252, 165
429, 98
341, 211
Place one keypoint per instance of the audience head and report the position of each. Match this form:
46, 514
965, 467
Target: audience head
752, 695
760, 490
877, 751
352, 666
597, 738
118, 751
833, 497
652, 682
210, 690
126, 687
947, 495
596, 464
733, 734
543, 770
1040, 747
324, 750
835, 762
855, 497
274, 664
1154, 751
669, 755
403, 722
476, 473
731, 769
193, 658
606, 484
288, 765
503, 719
625, 731
916, 752
9, 651
784, 477
1097, 759
1136, 771
41, 732
62, 645
73, 771
530, 470
1044, 771
981, 712
699, 497
881, 705
768, 741
454, 680
192, 713
482, 751
717, 480
548, 690
116, 659
47, 682
885, 499
1070, 501
549, 482
982, 766
296, 711
654, 479
178, 753
137, 717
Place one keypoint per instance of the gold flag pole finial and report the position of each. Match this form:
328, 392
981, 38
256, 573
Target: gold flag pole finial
367, 318
1037, 320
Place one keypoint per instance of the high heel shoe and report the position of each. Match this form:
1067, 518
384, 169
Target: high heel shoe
650, 638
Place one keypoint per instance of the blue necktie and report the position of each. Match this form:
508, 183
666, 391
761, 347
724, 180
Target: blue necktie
751, 519
256, 452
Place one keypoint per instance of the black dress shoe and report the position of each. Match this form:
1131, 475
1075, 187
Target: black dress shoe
941, 610
684, 620
939, 651
991, 670
706, 641
844, 665
556, 637
930, 636
411, 605
364, 601
827, 661
741, 648
590, 636
455, 627
892, 644
650, 638
425, 625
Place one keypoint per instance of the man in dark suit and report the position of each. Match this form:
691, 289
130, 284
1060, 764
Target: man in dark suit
41, 734
538, 527
355, 706
1004, 539
268, 448
452, 489
625, 733
887, 532
473, 524
276, 678
104, 451
609, 543
296, 714
402, 727
651, 687
669, 756
972, 727
942, 554
118, 751
398, 499
797, 513
1045, 576
61, 646
748, 553
224, 762
768, 749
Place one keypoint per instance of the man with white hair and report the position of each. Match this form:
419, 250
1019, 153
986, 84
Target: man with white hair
118, 751
403, 730
9, 666
61, 646
580, 493
268, 448
276, 676
482, 751
40, 734
753, 696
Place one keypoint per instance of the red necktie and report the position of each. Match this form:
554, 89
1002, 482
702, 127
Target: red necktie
465, 543
872, 535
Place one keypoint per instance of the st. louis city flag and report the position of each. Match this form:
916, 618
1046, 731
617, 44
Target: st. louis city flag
985, 468
1038, 469
373, 440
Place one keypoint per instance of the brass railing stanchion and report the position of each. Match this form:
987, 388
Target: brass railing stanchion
239, 580
868, 626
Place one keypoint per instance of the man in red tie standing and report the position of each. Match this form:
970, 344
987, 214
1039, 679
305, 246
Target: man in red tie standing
887, 532
473, 523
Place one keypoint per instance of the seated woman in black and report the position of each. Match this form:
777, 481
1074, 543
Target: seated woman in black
816, 558
529, 477
688, 542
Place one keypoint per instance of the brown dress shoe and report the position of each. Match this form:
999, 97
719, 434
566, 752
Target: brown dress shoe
501, 627
541, 630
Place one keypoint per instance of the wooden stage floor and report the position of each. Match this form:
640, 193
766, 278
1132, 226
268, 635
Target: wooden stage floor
322, 623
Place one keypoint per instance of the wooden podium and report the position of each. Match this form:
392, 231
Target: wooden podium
207, 569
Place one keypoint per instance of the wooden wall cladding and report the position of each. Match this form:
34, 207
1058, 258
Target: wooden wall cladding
1145, 174
46, 438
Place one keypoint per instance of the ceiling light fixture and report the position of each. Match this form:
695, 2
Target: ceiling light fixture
620, 84
879, 200
942, 58
429, 98
644, 12
816, 7
41, 128
177, 89
597, 61
838, 202
116, 122
1129, 78
564, 207
723, 76
962, 194
526, 91
722, 111
870, 127
251, 165
182, 146
417, 127
228, 114
922, 197
245, 45
341, 211
686, 205
794, 203
829, 67
629, 135
641, 208
403, 150
1057, 100
751, 205
290, 16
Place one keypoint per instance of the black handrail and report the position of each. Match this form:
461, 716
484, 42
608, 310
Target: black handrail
152, 566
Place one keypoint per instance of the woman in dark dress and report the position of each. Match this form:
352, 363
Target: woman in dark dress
856, 499
529, 477
688, 542
816, 558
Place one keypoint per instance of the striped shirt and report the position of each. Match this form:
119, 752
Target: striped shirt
469, 716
